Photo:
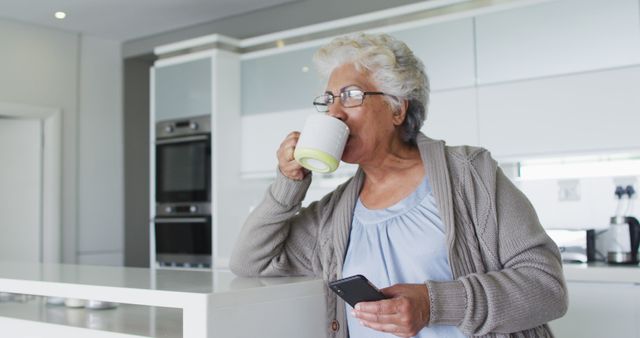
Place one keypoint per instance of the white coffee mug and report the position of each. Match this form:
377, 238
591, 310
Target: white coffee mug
321, 143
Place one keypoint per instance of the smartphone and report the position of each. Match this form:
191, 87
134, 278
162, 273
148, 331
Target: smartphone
356, 289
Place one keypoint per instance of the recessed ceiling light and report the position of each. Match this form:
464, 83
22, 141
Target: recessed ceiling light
60, 15
305, 69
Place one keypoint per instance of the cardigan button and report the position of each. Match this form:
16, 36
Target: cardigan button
335, 325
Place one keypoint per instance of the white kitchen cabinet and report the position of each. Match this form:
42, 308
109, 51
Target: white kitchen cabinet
261, 138
599, 310
446, 49
557, 37
182, 89
590, 112
286, 81
279, 82
225, 154
452, 117
207, 83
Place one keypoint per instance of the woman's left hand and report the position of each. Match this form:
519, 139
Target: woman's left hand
404, 314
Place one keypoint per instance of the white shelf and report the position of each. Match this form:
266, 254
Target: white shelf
126, 319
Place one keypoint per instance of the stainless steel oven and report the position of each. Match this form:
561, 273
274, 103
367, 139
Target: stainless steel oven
183, 167
183, 241
182, 224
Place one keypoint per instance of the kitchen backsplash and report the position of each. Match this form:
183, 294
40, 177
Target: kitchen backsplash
578, 203
567, 203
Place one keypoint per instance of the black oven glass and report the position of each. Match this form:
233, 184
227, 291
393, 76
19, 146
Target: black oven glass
183, 238
183, 171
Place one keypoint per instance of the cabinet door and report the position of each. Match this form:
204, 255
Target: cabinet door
446, 49
280, 82
599, 310
182, 89
588, 112
261, 138
557, 37
452, 117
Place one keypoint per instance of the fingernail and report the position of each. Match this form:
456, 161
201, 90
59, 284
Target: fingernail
353, 313
357, 306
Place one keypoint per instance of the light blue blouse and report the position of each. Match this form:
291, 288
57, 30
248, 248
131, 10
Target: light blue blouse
404, 243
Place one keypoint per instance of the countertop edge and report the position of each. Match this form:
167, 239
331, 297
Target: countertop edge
600, 272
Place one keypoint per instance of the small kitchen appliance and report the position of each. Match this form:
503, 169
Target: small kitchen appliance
575, 245
624, 231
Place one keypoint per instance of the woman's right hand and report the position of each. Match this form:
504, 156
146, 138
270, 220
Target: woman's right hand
286, 162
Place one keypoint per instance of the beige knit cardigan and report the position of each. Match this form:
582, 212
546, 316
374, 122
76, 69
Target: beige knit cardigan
508, 279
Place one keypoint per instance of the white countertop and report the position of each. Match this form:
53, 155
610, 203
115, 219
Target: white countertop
199, 303
601, 272
200, 300
79, 281
156, 287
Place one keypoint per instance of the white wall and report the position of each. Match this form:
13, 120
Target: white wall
81, 76
100, 154
595, 205
20, 189
39, 66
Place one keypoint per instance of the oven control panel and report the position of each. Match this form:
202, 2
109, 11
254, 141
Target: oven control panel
183, 127
183, 209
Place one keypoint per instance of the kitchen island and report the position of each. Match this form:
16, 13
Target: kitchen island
604, 301
160, 303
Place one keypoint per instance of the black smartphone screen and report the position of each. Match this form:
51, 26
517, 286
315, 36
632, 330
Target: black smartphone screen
356, 289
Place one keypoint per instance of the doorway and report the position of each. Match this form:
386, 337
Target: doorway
30, 183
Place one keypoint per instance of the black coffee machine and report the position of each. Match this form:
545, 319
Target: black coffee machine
624, 232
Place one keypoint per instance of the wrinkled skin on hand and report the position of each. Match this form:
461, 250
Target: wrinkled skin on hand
404, 314
286, 162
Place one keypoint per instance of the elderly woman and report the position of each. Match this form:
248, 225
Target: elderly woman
457, 247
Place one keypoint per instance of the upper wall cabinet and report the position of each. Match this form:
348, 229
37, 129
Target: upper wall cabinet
279, 82
261, 138
590, 112
285, 81
452, 117
446, 49
557, 37
182, 89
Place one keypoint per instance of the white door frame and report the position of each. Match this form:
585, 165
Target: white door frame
51, 213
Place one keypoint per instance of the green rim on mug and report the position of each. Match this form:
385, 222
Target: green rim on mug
316, 160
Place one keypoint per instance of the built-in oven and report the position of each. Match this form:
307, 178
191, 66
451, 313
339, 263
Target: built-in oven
183, 241
182, 223
183, 167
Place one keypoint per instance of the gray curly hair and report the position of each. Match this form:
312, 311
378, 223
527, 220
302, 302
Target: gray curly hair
393, 68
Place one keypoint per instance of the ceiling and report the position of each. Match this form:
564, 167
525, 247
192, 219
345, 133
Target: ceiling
124, 20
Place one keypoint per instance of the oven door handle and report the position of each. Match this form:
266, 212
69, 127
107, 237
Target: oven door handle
181, 220
183, 139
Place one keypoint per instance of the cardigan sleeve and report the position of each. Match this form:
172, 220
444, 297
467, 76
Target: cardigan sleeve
279, 238
524, 286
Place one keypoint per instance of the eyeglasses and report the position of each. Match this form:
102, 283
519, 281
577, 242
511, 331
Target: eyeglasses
348, 99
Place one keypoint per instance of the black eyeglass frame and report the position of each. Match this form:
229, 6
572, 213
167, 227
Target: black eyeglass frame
324, 107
